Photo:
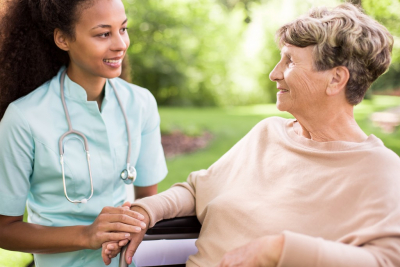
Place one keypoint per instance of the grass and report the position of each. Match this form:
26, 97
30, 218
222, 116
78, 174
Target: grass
229, 125
14, 259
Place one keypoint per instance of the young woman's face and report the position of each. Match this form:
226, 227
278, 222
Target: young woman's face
101, 40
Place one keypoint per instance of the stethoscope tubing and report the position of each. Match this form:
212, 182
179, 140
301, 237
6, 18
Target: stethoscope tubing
86, 144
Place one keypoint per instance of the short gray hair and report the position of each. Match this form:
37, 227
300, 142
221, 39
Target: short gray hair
343, 36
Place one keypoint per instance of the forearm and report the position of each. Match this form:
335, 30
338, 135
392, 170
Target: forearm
33, 238
112, 224
175, 202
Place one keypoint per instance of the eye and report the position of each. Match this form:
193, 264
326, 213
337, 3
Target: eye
123, 30
289, 60
104, 35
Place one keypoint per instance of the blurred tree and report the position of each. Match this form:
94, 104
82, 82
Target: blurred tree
355, 2
387, 13
231, 4
180, 49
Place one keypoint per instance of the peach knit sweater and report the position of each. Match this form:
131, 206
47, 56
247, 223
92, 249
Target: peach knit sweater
337, 203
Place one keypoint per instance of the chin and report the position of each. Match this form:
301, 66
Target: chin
112, 74
280, 106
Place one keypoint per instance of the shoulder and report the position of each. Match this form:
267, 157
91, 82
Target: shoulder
34, 97
141, 94
42, 97
273, 121
266, 131
382, 157
144, 103
271, 125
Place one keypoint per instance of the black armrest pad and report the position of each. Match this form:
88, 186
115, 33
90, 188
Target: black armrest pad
180, 225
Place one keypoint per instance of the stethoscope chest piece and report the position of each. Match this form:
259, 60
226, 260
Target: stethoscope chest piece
129, 174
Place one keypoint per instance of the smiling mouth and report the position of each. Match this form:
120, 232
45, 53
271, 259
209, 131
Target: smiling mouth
283, 90
112, 60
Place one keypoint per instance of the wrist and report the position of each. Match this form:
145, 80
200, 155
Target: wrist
273, 247
82, 240
142, 211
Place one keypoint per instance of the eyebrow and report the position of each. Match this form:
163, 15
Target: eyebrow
288, 55
107, 26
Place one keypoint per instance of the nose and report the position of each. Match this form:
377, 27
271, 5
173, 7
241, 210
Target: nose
276, 74
120, 42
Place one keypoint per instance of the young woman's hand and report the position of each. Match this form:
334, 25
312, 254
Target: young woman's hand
113, 224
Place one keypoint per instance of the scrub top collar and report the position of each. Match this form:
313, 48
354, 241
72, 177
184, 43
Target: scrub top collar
77, 93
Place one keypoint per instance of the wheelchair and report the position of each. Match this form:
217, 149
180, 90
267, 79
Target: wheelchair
170, 229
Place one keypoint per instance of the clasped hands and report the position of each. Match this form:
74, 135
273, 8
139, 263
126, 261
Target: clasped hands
114, 228
264, 251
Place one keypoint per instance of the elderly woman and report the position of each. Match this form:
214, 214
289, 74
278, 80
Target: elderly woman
310, 191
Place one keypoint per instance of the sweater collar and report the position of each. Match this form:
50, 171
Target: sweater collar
371, 141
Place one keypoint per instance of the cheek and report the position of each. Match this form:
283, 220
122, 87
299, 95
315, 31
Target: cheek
84, 50
304, 84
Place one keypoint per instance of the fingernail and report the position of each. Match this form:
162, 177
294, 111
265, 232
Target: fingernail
138, 229
127, 235
141, 217
129, 260
143, 225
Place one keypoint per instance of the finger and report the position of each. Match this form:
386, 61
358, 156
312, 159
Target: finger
122, 210
112, 236
122, 218
123, 242
130, 251
111, 246
114, 253
126, 204
105, 257
122, 227
106, 260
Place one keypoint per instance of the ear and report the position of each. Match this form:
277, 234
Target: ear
61, 40
339, 77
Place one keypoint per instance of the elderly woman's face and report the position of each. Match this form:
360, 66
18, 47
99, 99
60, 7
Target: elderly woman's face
301, 88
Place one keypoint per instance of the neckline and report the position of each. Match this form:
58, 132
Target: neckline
371, 141
75, 92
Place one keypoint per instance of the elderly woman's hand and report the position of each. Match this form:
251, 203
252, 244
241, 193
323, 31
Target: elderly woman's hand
264, 251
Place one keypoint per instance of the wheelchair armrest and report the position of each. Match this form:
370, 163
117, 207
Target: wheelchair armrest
176, 228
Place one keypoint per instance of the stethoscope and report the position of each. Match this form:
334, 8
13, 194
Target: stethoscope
128, 175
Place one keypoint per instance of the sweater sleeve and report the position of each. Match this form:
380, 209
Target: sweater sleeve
305, 251
178, 201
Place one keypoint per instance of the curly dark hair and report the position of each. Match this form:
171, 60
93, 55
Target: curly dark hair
28, 54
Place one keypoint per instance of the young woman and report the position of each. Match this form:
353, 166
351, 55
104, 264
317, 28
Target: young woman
71, 131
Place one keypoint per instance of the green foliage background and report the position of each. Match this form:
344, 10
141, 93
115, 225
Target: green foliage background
220, 52
387, 13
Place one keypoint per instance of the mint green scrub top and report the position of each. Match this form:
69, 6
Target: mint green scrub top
30, 169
